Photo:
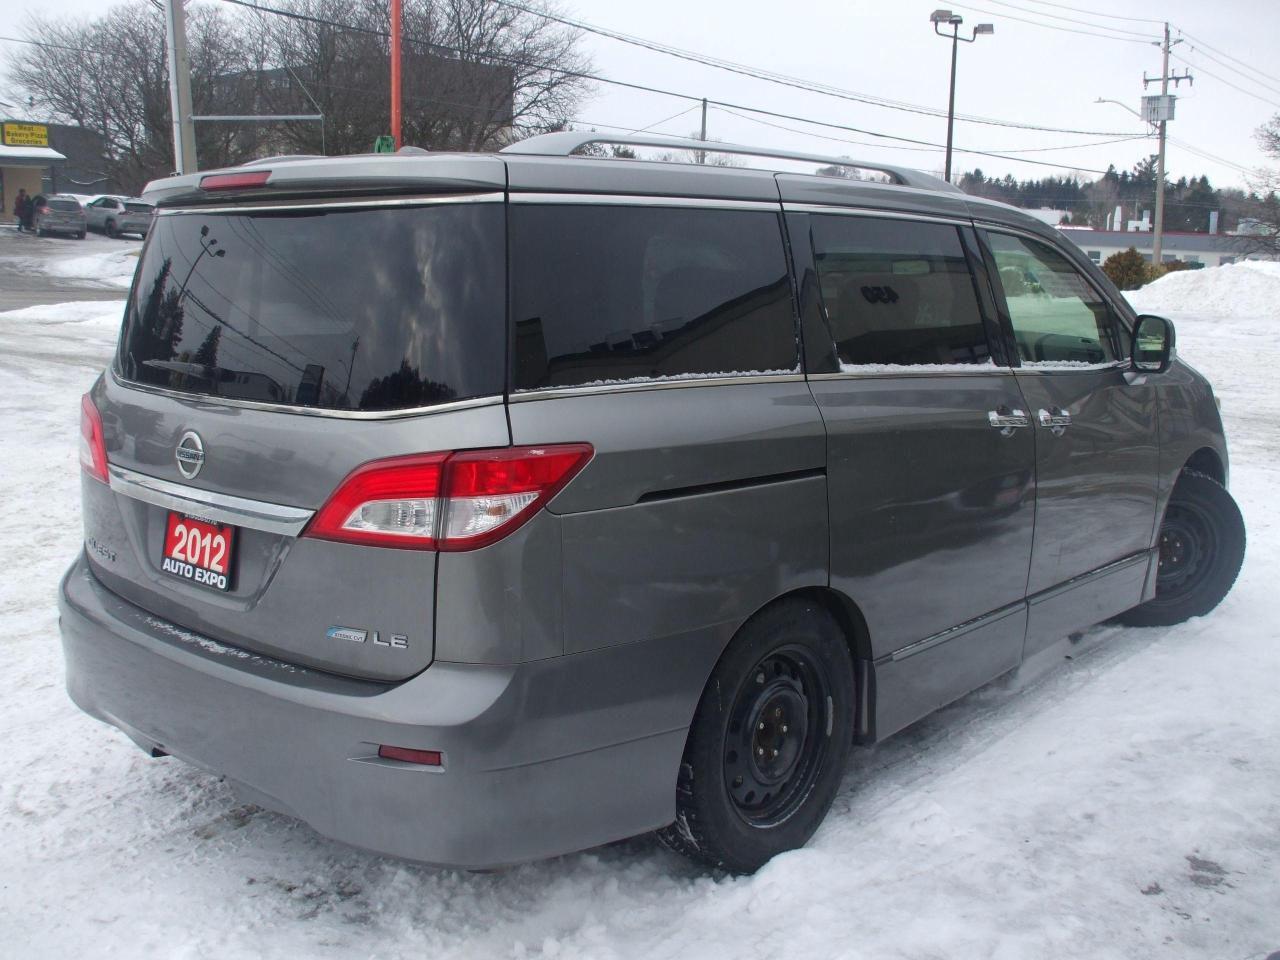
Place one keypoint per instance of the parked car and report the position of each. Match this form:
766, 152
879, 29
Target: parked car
57, 213
481, 508
116, 216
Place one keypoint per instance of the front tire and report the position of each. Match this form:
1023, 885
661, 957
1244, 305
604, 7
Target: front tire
769, 740
111, 230
1202, 542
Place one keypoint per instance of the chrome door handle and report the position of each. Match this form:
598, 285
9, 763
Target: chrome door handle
1006, 420
1057, 422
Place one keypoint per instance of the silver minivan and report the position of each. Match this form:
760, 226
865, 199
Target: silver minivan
480, 508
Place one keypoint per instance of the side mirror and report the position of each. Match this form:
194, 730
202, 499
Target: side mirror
1153, 348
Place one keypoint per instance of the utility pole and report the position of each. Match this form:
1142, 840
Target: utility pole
702, 154
184, 130
397, 14
1162, 116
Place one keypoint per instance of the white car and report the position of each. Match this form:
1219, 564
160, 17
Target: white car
116, 216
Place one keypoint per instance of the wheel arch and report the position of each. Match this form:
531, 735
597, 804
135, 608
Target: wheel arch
1206, 461
854, 626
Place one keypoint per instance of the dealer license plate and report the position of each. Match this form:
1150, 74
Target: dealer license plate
198, 551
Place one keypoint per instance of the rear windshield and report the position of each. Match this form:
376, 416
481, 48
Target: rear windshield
63, 205
381, 308
138, 207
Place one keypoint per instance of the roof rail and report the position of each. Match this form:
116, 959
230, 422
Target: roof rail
566, 142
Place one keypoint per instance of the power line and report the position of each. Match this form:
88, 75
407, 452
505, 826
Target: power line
1093, 13
780, 78
1201, 51
1195, 40
1058, 16
932, 149
1248, 93
1054, 26
650, 89
51, 46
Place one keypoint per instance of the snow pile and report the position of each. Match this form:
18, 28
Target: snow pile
1250, 288
113, 266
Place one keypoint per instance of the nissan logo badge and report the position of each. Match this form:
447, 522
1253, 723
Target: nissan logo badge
189, 454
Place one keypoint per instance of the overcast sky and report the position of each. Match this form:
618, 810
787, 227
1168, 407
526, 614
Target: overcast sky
1025, 73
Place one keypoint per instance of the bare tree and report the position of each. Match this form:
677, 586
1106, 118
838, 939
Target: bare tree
110, 75
477, 75
1260, 222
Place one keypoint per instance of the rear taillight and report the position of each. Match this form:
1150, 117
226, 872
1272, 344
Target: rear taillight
235, 181
93, 449
446, 501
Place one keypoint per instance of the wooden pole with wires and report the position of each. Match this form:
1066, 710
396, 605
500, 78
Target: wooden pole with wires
397, 12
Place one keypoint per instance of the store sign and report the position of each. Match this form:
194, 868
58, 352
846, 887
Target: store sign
25, 134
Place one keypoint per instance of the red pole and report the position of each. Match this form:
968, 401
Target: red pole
396, 10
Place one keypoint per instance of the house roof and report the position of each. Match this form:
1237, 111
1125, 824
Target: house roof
28, 156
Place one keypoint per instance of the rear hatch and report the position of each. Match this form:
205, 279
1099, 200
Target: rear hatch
62, 213
136, 216
266, 353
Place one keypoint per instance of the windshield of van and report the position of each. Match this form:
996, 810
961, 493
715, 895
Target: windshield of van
376, 308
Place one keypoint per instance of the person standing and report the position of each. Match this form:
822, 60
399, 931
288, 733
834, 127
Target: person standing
22, 210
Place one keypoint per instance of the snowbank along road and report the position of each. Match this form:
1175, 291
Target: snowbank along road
1118, 798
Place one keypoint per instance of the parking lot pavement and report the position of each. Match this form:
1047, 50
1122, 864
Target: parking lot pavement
26, 282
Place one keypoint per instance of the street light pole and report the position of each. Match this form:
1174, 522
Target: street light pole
951, 102
938, 18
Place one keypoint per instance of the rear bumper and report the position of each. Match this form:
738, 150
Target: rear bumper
535, 764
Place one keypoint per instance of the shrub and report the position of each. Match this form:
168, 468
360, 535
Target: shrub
1127, 269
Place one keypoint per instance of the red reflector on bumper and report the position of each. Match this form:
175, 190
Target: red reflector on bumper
430, 758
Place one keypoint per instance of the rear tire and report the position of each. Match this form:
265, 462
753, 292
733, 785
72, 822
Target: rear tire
769, 740
80, 235
1202, 542
111, 230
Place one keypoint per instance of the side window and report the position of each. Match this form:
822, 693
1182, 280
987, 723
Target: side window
897, 292
1057, 315
617, 293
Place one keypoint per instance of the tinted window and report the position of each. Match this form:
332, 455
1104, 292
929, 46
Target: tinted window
607, 293
1057, 315
897, 292
138, 207
375, 309
67, 205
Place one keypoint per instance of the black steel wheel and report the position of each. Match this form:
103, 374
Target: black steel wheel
1201, 548
768, 743
770, 760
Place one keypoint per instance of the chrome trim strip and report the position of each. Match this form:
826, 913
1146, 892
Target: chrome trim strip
219, 507
958, 630
201, 400
1092, 368
635, 199
790, 206
595, 390
338, 202
960, 371
1097, 573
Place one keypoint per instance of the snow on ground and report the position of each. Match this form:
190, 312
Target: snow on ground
1117, 799
112, 266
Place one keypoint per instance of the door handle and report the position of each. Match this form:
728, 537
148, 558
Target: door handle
1056, 422
1006, 420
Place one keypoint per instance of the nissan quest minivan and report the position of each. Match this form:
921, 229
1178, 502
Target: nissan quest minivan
481, 508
